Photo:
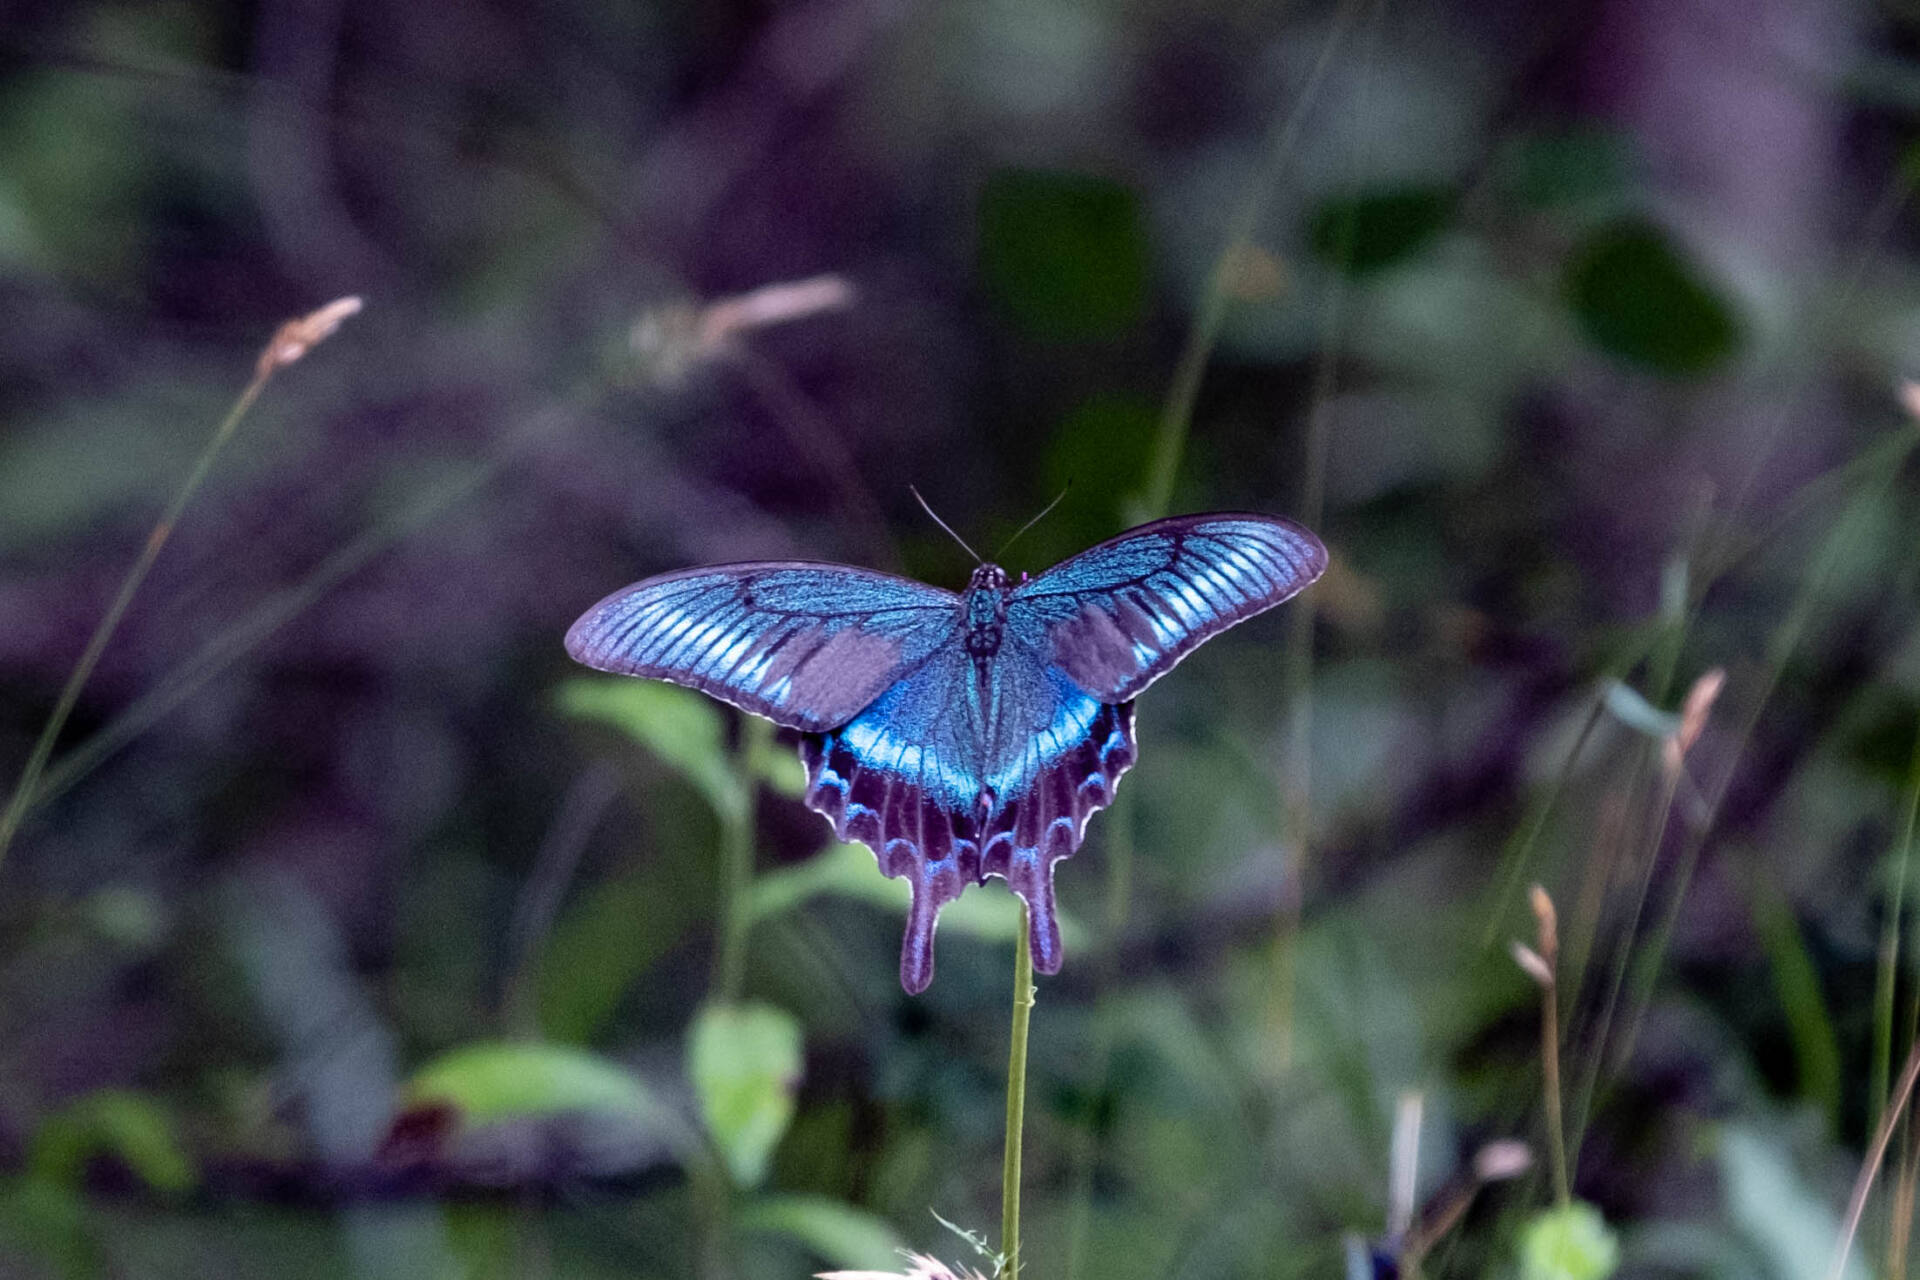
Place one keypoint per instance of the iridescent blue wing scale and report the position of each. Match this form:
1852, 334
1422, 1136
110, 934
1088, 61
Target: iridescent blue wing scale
807, 646
1119, 616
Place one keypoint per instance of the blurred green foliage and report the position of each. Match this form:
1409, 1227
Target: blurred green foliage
1598, 328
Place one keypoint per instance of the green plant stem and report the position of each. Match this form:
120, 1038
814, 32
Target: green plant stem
1176, 418
23, 792
1023, 994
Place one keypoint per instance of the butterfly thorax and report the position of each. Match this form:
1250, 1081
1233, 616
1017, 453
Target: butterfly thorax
986, 608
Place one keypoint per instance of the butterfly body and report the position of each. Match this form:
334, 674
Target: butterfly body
958, 736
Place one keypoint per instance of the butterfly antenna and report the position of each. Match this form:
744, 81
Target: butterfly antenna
1044, 513
944, 525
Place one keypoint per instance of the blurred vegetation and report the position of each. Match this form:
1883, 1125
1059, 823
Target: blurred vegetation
353, 933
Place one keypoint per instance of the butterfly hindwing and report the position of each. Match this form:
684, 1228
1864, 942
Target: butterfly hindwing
807, 646
1117, 617
961, 771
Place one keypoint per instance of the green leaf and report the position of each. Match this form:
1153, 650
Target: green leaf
1571, 1243
1097, 449
1579, 166
1626, 705
1796, 981
745, 1062
683, 728
130, 1127
848, 871
617, 931
841, 1234
778, 766
506, 1080
1788, 1225
1369, 232
1639, 299
1064, 253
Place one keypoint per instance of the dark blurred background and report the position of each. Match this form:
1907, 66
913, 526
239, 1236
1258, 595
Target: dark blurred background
354, 932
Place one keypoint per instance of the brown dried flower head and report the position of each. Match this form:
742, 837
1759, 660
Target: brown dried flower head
297, 337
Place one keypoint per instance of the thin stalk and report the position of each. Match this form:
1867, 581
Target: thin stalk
1517, 854
1023, 994
1176, 418
1550, 1055
1888, 976
1900, 1230
1782, 645
227, 647
1870, 1167
289, 344
23, 790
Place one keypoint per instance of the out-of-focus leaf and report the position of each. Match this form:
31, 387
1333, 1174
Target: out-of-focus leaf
48, 1220
1567, 167
848, 871
744, 1061
510, 1080
1639, 299
1627, 706
616, 932
1064, 253
681, 727
1368, 232
1816, 1048
1571, 1243
841, 1234
1787, 1223
778, 766
1097, 449
130, 1127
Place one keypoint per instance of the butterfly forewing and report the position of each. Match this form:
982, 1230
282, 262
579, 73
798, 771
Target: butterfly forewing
807, 646
1117, 617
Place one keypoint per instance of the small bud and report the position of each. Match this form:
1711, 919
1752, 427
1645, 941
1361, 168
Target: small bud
1909, 395
1546, 922
674, 338
1693, 718
773, 304
1530, 962
1498, 1161
297, 337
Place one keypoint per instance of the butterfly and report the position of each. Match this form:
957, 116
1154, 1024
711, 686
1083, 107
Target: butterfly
957, 736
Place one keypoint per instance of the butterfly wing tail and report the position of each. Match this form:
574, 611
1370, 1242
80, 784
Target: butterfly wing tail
913, 836
1026, 837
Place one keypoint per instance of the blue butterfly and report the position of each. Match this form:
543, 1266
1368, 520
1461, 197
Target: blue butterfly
957, 736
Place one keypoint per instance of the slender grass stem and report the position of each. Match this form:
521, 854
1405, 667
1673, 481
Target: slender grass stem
1870, 1167
1548, 975
220, 653
288, 344
1781, 647
23, 790
1023, 995
1176, 417
1887, 979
